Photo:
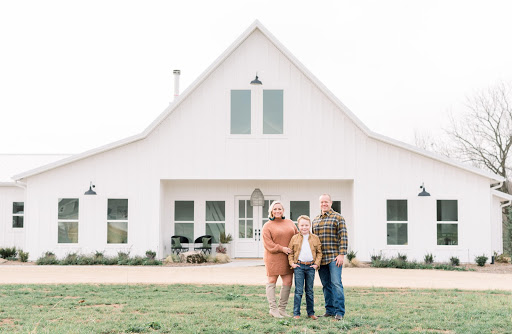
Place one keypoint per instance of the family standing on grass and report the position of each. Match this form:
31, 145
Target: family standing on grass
289, 251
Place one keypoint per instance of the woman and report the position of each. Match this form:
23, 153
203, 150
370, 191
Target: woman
277, 233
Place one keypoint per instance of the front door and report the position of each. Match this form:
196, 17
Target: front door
250, 221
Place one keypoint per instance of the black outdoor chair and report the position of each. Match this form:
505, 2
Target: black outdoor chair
204, 244
177, 242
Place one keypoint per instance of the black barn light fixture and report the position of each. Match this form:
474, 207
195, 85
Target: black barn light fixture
90, 191
424, 191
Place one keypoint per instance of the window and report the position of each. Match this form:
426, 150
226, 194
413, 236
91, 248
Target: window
447, 233
298, 208
336, 206
215, 212
240, 112
273, 111
18, 211
184, 212
68, 220
396, 211
245, 219
117, 221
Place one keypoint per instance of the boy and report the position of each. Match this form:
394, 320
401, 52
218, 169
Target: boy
305, 260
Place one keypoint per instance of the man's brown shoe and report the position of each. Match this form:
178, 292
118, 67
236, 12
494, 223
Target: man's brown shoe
314, 317
296, 317
327, 315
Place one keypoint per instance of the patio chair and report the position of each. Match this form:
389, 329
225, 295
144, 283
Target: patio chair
203, 244
177, 242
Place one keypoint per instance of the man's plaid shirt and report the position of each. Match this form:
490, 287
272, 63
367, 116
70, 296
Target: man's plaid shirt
330, 227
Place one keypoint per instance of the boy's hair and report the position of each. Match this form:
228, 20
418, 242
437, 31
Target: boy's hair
304, 217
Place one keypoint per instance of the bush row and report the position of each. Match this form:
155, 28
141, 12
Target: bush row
13, 254
98, 258
400, 262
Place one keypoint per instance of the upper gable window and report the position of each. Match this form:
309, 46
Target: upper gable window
240, 112
273, 111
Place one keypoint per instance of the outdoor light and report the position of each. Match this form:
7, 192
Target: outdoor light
256, 81
90, 191
424, 191
257, 198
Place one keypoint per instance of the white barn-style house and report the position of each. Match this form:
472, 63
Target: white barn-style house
193, 170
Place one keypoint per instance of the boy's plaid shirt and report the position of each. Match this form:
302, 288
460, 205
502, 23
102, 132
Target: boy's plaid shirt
330, 227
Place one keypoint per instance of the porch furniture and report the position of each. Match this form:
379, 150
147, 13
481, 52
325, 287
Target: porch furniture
203, 244
177, 242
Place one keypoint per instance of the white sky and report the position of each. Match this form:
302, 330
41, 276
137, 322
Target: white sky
75, 75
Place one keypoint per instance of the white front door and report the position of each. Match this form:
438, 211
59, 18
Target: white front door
250, 221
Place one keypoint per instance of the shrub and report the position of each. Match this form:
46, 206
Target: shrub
47, 259
151, 262
135, 261
480, 260
429, 258
7, 252
23, 256
351, 255
71, 258
221, 258
225, 239
98, 255
376, 257
150, 254
454, 261
221, 249
501, 258
402, 257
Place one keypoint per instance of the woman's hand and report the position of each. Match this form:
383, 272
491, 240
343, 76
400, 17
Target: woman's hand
287, 250
294, 265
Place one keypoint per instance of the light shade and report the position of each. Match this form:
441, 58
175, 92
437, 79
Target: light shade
257, 198
256, 81
424, 191
90, 191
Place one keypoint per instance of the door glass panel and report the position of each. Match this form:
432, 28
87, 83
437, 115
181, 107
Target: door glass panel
241, 209
249, 229
249, 209
241, 228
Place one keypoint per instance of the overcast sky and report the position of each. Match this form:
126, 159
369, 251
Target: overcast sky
75, 75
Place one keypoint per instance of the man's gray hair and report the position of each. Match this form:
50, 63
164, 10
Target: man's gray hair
330, 199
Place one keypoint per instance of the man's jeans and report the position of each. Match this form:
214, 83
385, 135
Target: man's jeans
330, 275
304, 273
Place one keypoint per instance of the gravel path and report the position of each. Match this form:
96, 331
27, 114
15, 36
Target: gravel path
250, 272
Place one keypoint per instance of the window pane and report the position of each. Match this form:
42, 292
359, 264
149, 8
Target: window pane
397, 209
117, 232
249, 229
447, 211
447, 234
117, 209
68, 208
68, 232
17, 221
249, 209
184, 211
241, 228
18, 208
336, 206
266, 205
240, 111
273, 111
241, 209
397, 234
215, 229
215, 211
184, 229
298, 208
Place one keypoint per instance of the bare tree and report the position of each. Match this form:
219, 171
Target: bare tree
483, 135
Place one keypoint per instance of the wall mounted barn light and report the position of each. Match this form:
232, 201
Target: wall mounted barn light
257, 198
90, 191
256, 81
424, 191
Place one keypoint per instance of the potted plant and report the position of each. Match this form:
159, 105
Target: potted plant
225, 240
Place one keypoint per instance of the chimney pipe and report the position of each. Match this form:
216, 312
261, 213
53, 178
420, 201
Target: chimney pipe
176, 82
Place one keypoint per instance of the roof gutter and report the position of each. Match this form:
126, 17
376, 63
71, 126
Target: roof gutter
20, 184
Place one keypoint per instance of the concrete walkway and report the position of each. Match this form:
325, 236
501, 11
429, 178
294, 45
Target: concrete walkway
249, 272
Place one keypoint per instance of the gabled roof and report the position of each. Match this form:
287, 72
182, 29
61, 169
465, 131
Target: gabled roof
253, 27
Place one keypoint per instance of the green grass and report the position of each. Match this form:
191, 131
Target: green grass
243, 309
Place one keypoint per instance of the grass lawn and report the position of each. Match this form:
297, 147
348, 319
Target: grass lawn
243, 309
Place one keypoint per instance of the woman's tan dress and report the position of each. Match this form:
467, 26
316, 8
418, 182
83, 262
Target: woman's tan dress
277, 235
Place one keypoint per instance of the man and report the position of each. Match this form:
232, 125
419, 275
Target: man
330, 227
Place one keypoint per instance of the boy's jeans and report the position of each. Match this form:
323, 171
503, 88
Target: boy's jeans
304, 273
